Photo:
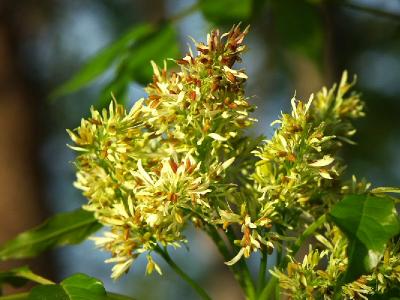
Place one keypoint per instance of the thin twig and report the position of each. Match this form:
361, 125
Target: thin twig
372, 10
243, 269
309, 231
240, 269
271, 286
200, 291
185, 12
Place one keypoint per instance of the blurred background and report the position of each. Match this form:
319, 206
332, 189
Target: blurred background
294, 45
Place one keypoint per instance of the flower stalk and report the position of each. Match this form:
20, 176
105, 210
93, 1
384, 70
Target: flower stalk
165, 255
262, 270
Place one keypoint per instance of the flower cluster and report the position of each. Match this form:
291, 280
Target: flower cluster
316, 276
150, 171
299, 169
307, 279
298, 172
180, 156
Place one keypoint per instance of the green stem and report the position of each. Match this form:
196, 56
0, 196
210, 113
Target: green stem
21, 296
242, 270
277, 292
200, 291
185, 12
262, 270
270, 287
308, 232
248, 281
279, 258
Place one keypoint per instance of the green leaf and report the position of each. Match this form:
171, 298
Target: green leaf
158, 46
299, 27
368, 222
135, 66
118, 87
226, 12
103, 60
10, 277
113, 296
391, 294
20, 296
76, 287
62, 229
19, 276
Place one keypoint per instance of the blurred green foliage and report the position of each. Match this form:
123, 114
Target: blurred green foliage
297, 23
130, 55
217, 12
62, 229
299, 28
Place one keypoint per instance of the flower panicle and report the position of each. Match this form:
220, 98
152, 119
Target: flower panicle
300, 162
150, 170
180, 156
308, 279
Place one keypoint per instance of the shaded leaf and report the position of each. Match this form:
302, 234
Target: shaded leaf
19, 276
158, 46
117, 87
135, 66
12, 279
62, 229
392, 294
226, 12
103, 60
382, 297
368, 222
299, 27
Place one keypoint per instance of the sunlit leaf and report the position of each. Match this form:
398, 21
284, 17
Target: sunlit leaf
76, 287
224, 12
368, 222
62, 229
103, 60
